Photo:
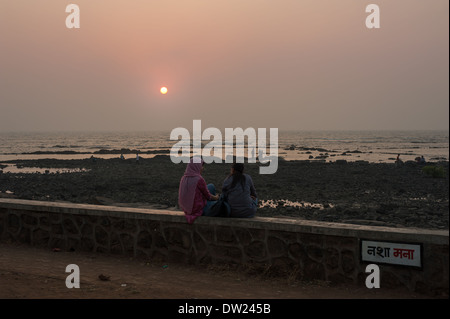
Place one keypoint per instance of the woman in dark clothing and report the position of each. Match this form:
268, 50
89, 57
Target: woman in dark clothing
240, 192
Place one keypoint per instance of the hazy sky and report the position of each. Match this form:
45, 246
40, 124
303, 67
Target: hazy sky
290, 64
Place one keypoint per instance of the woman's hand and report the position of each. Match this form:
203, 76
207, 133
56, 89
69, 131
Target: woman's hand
214, 197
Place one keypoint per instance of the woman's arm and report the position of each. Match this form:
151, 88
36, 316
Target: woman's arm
252, 187
204, 190
226, 184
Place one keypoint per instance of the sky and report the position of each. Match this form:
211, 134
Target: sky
286, 64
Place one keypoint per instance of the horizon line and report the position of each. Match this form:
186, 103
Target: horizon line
168, 130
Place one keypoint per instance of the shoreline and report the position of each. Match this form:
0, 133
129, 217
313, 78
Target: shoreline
314, 155
359, 192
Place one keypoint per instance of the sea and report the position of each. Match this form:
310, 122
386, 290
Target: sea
325, 146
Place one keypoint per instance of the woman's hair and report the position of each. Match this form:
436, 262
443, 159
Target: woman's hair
238, 175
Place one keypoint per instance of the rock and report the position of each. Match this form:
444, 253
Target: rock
99, 200
103, 277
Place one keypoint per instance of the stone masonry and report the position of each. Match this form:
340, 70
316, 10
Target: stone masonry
275, 247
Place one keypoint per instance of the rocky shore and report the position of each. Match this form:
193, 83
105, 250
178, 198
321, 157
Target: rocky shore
379, 194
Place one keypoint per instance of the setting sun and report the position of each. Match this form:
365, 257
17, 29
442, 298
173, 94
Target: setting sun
163, 90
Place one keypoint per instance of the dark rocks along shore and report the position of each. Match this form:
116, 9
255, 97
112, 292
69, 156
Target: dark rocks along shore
379, 194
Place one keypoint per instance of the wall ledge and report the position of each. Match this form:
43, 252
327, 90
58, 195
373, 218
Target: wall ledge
439, 237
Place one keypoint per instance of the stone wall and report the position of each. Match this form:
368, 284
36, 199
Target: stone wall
297, 249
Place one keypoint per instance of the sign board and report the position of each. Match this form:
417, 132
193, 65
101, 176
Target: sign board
404, 254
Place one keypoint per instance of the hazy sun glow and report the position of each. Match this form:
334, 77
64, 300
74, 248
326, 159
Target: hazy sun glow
288, 62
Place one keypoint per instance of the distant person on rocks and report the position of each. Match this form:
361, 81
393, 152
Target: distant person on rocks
398, 161
121, 157
240, 192
195, 198
420, 160
137, 158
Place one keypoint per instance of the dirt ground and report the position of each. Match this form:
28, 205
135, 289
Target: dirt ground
36, 273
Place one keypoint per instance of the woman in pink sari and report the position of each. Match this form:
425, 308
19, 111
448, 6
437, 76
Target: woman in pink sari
193, 193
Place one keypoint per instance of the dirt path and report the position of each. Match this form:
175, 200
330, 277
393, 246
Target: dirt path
27, 272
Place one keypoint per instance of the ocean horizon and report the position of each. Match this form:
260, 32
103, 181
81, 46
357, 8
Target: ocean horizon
371, 145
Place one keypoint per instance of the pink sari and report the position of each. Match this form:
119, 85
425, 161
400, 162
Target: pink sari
187, 190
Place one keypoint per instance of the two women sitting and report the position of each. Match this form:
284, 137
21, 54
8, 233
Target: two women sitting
196, 198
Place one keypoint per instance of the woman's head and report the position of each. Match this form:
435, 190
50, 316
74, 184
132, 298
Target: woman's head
194, 167
237, 174
237, 168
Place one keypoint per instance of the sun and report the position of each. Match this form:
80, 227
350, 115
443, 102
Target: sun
163, 90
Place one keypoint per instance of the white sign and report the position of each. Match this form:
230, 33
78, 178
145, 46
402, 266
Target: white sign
391, 253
